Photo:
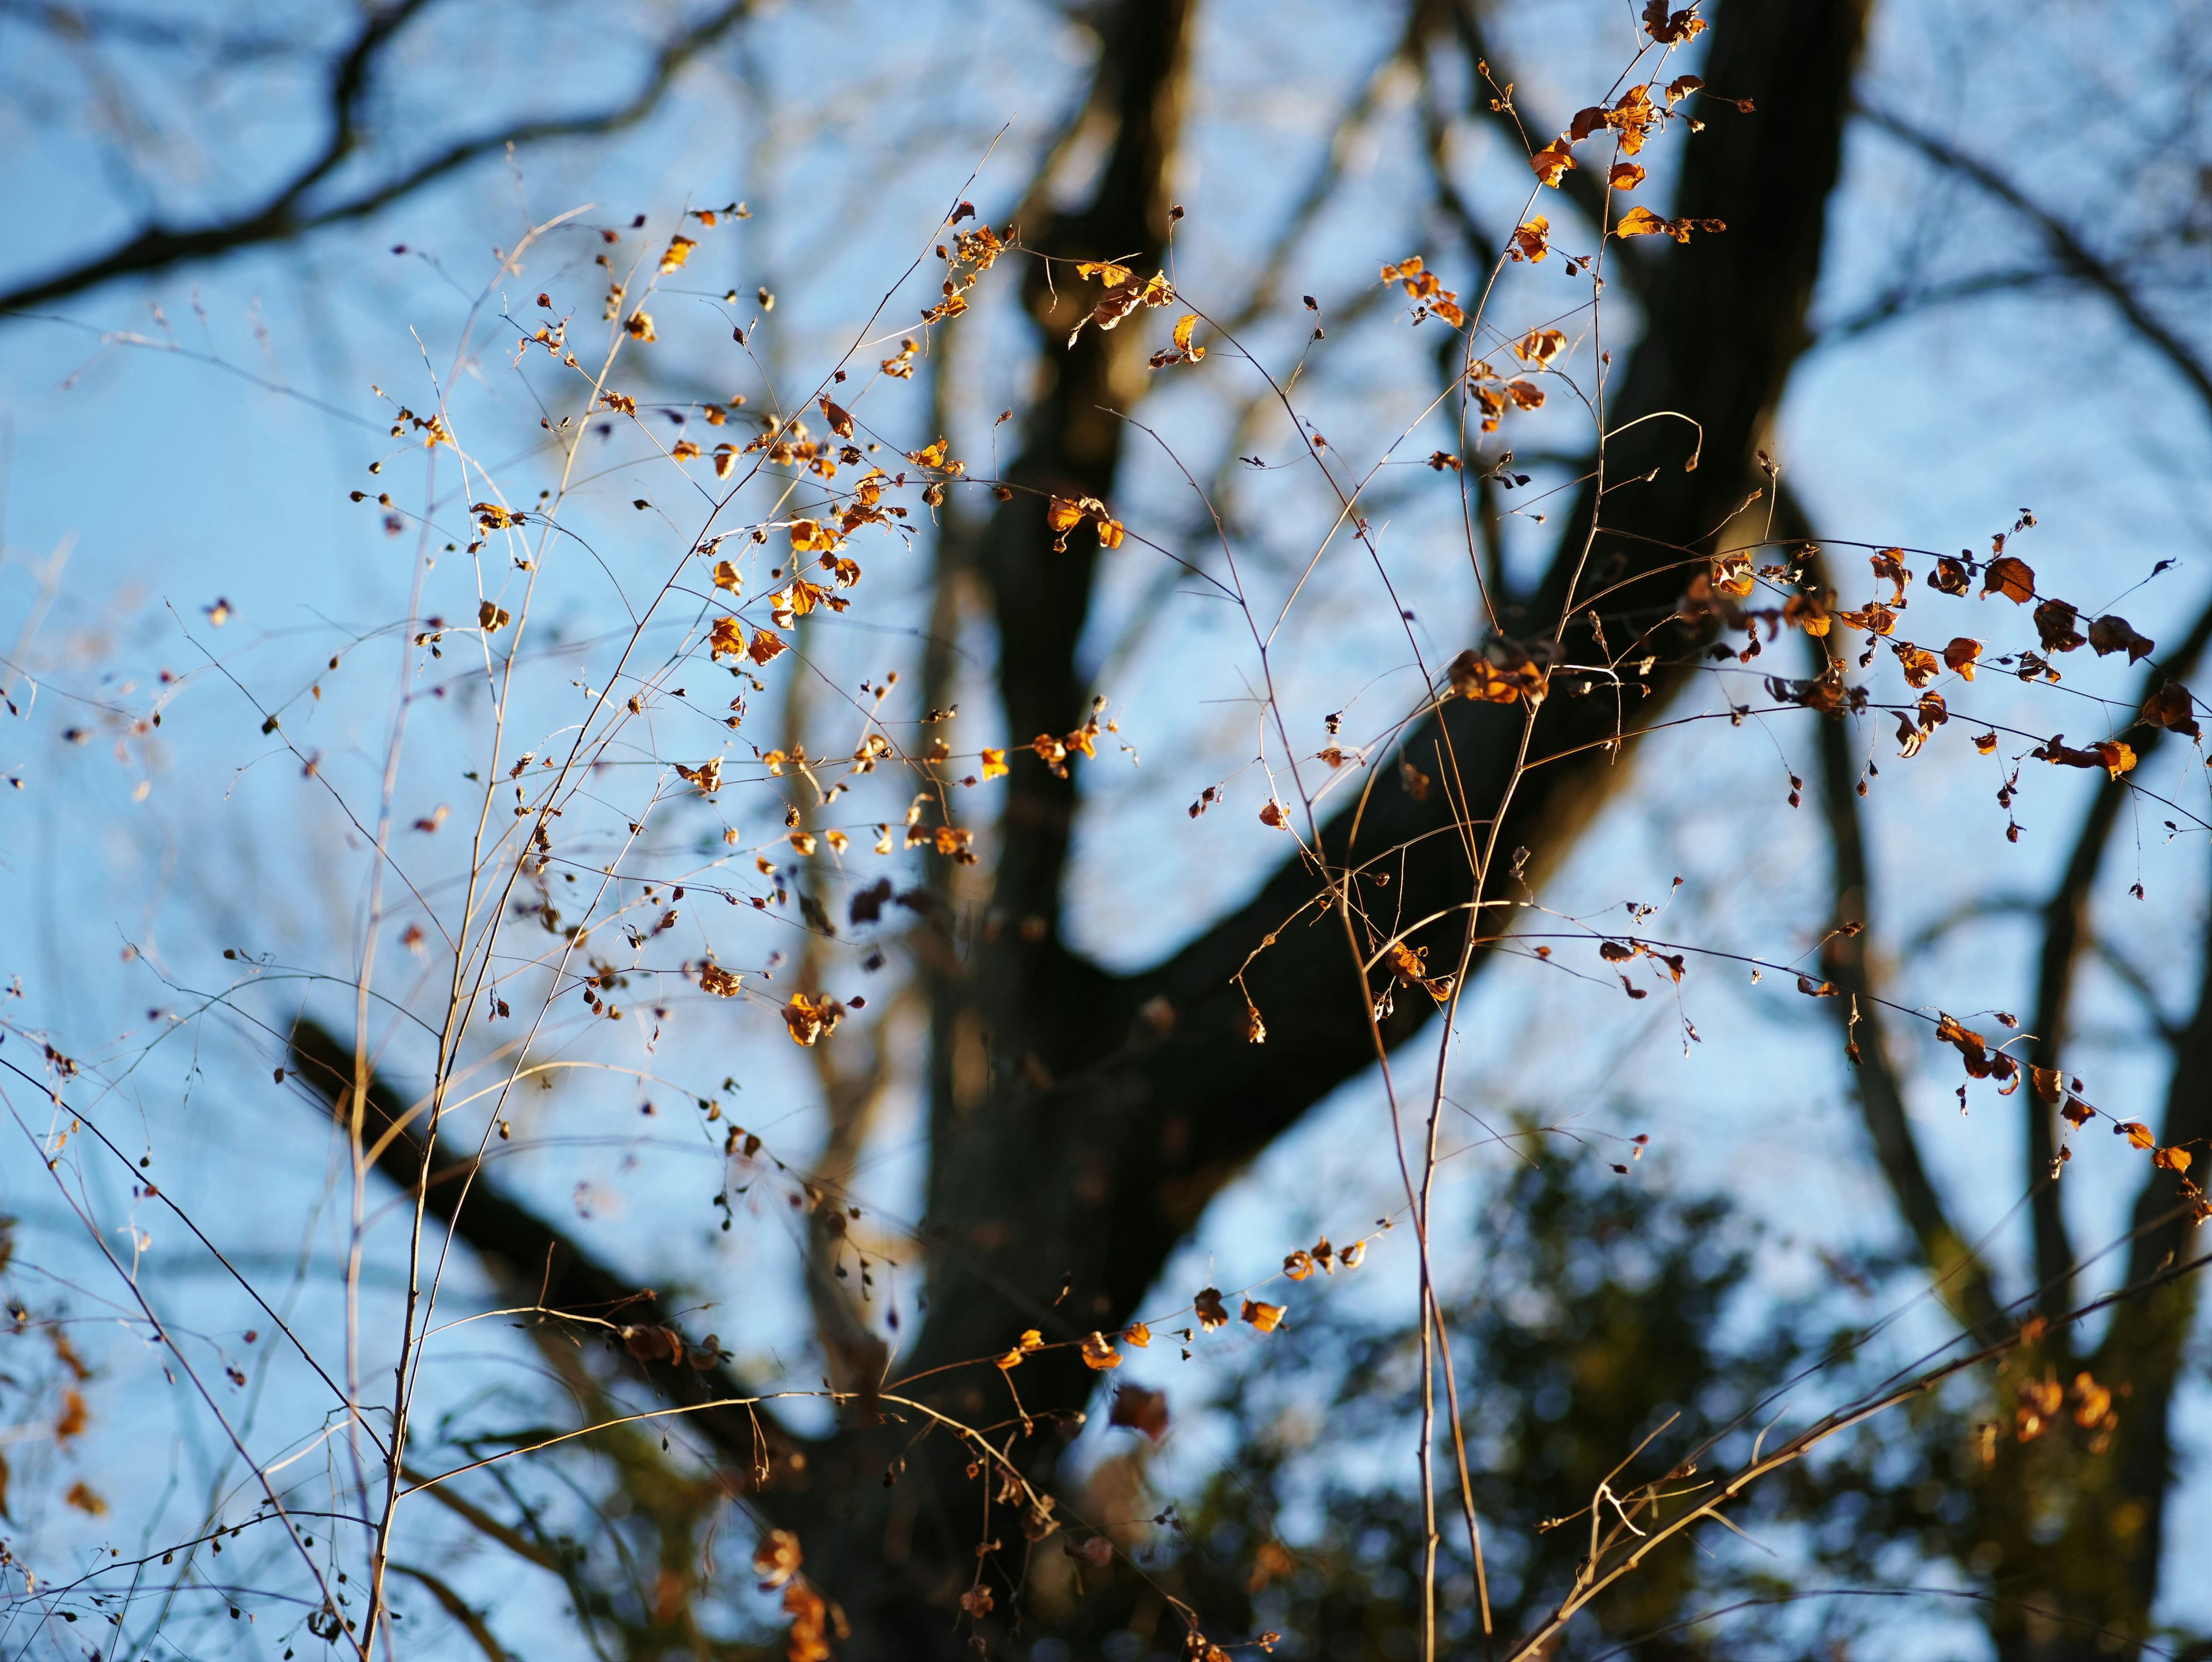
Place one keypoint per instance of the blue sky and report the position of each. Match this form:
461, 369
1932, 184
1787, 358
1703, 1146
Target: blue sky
157, 465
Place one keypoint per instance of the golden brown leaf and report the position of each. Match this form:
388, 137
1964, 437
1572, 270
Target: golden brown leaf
811, 1017
1265, 1316
1552, 163
1531, 240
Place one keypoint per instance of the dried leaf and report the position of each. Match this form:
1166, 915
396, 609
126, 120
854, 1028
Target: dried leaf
2109, 634
1670, 27
1099, 1354
2172, 708
1210, 1312
811, 1017
1265, 1316
1552, 163
2054, 623
1540, 347
2010, 577
1140, 1410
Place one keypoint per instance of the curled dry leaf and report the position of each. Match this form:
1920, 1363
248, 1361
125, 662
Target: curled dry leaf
1668, 28
811, 1017
1540, 346
2172, 708
2109, 754
1552, 163
707, 775
1099, 1354
1211, 1314
1265, 1316
1641, 222
2109, 635
2054, 625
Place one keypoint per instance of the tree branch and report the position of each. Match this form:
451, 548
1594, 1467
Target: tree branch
531, 1259
286, 213
2066, 244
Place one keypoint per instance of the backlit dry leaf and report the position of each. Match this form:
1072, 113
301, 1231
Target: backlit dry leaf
1540, 346
1552, 163
811, 1017
1099, 1354
2010, 577
1265, 1316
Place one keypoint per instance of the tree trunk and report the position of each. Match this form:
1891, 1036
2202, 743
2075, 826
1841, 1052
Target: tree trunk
1081, 1122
